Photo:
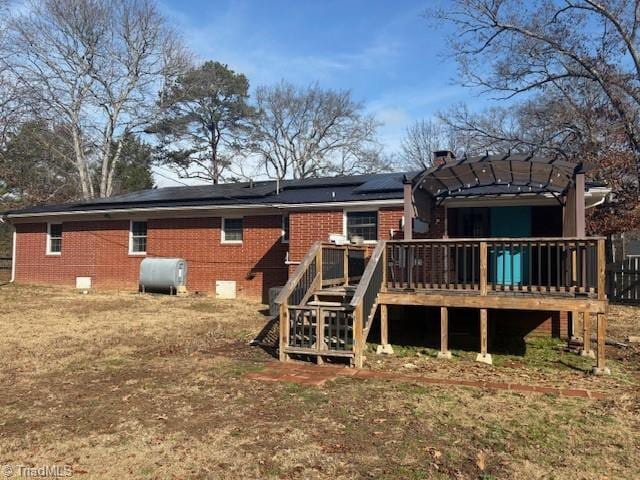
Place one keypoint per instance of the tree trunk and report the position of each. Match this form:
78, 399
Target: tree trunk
85, 179
112, 169
214, 164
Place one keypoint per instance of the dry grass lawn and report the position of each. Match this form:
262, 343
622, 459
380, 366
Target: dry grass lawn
119, 385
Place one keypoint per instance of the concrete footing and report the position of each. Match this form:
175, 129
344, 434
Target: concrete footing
445, 355
589, 353
601, 371
486, 358
384, 349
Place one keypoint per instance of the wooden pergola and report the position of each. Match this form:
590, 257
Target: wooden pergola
514, 175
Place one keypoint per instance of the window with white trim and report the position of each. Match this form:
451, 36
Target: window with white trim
138, 237
362, 224
232, 230
285, 229
54, 238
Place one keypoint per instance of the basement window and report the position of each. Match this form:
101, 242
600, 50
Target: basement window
362, 224
138, 238
231, 230
54, 239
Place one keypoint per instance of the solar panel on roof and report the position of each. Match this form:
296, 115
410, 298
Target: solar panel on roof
383, 184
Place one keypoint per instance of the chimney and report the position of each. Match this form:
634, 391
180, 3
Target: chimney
440, 157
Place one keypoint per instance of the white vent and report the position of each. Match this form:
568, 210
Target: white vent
225, 289
83, 283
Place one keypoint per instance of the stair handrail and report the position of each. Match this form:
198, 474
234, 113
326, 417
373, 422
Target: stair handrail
364, 299
365, 281
294, 280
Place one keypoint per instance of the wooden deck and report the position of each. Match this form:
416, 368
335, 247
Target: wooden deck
329, 304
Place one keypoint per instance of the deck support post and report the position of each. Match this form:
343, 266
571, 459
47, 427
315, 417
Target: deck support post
600, 368
586, 336
284, 332
444, 334
484, 356
384, 346
358, 342
572, 322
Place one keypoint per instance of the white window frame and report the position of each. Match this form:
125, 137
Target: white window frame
363, 209
131, 252
285, 219
223, 240
48, 248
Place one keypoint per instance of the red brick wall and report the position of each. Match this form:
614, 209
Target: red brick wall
100, 249
390, 218
307, 227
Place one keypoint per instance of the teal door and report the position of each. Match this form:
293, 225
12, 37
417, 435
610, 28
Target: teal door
509, 263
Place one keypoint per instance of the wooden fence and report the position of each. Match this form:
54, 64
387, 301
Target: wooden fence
5, 269
623, 281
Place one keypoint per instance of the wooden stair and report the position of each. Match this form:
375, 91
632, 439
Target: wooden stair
326, 312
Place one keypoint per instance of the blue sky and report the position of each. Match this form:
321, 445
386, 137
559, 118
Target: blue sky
385, 51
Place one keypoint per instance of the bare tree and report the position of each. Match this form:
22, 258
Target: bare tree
572, 120
10, 106
307, 132
93, 65
510, 47
421, 139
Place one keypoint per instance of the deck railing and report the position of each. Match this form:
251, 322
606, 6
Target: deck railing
567, 266
342, 264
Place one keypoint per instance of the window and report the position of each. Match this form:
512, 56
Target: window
54, 239
285, 229
232, 230
362, 224
138, 237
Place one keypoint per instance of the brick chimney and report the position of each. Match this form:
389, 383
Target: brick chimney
440, 157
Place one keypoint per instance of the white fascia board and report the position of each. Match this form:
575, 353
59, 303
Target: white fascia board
213, 210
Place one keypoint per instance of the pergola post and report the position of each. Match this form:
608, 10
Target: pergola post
586, 336
444, 333
484, 356
408, 212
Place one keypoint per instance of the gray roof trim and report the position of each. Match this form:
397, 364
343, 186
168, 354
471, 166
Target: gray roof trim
282, 206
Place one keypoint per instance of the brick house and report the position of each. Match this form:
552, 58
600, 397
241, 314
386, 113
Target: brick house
243, 232
255, 234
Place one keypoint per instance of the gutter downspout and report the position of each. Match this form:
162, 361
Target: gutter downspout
13, 256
